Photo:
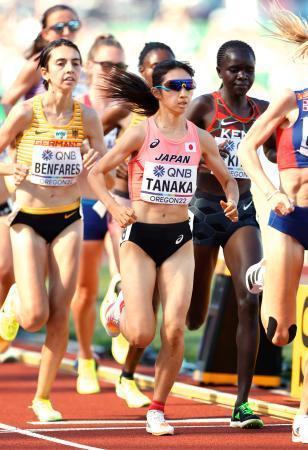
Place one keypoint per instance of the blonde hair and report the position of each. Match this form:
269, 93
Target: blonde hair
107, 40
290, 28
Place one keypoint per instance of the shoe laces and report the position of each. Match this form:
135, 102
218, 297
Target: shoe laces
43, 404
245, 408
156, 416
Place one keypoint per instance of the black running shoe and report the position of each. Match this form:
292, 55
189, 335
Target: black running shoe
244, 417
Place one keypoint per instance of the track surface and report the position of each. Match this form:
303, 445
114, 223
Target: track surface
103, 421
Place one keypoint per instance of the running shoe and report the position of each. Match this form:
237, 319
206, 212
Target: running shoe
110, 297
255, 277
244, 417
87, 382
129, 391
156, 423
4, 345
8, 323
110, 316
44, 411
119, 348
300, 429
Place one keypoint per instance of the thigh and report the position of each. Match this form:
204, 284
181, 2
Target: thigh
175, 282
30, 259
205, 262
241, 251
6, 260
284, 265
64, 257
138, 274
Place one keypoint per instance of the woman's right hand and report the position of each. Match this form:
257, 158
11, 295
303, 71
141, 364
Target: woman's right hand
19, 171
281, 204
123, 215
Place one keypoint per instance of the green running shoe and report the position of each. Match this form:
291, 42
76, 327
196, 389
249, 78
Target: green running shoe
244, 417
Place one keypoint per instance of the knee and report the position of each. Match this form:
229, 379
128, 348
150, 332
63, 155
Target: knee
248, 305
280, 335
58, 321
139, 337
34, 320
84, 298
173, 335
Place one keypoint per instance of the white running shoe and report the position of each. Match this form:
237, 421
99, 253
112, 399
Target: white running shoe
300, 429
8, 324
255, 277
156, 423
110, 316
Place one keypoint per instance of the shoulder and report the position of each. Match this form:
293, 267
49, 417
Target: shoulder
261, 104
203, 104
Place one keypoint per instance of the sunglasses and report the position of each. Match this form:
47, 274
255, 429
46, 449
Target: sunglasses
72, 25
178, 85
108, 65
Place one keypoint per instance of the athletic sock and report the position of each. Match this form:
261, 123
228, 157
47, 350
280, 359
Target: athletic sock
157, 406
128, 375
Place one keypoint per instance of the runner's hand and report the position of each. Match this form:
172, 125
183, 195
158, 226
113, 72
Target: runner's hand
281, 204
20, 171
90, 158
223, 148
122, 171
230, 210
123, 215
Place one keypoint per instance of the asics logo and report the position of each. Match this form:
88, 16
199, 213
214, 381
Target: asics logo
154, 143
225, 122
179, 239
247, 206
68, 215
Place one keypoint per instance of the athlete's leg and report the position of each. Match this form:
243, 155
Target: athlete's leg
30, 259
138, 273
6, 259
205, 262
284, 264
64, 255
175, 283
84, 301
241, 251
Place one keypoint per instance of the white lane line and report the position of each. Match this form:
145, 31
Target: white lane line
114, 422
44, 430
47, 438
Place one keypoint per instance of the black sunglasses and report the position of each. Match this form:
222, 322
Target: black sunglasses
72, 25
108, 65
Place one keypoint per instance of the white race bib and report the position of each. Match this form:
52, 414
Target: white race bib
168, 183
55, 166
231, 161
304, 144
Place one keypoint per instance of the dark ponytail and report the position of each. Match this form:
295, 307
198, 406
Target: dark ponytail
134, 92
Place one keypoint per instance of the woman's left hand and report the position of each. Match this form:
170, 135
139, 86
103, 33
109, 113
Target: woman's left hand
90, 158
230, 209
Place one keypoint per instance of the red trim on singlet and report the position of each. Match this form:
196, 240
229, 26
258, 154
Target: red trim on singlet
85, 99
285, 150
219, 116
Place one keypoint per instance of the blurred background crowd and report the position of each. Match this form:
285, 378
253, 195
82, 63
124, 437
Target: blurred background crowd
194, 29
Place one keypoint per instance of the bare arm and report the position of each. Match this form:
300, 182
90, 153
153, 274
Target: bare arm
262, 129
130, 142
26, 79
269, 146
16, 122
215, 163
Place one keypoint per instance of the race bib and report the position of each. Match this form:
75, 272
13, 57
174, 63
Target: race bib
231, 161
168, 183
55, 165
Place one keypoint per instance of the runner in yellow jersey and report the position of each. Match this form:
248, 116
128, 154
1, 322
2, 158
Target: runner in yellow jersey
46, 229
